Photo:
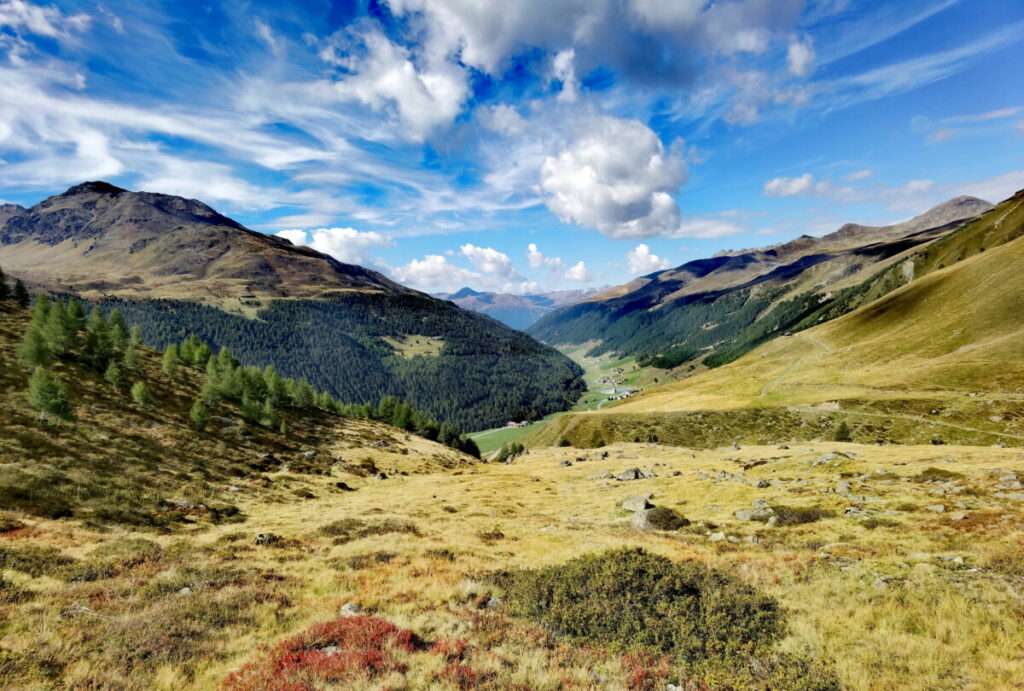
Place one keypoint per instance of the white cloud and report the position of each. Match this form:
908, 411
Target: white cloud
503, 119
789, 187
383, 76
41, 21
538, 259
942, 134
267, 36
296, 237
435, 273
489, 260
578, 272
705, 227
982, 117
1020, 126
994, 189
641, 261
859, 175
616, 177
344, 244
563, 69
800, 57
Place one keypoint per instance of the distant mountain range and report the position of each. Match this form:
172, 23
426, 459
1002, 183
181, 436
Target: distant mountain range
929, 349
710, 311
517, 311
176, 266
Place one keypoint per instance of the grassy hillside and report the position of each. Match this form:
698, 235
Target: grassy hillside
890, 595
120, 463
711, 311
941, 357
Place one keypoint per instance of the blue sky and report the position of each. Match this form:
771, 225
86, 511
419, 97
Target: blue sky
524, 146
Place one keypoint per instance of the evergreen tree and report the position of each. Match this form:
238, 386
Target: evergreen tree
269, 414
140, 394
34, 351
843, 432
20, 294
198, 416
57, 329
5, 290
251, 411
131, 358
48, 395
76, 315
40, 310
113, 374
170, 362
187, 350
283, 429
202, 355
135, 335
97, 340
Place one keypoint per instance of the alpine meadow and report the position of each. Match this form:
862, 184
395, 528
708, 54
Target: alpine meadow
561, 345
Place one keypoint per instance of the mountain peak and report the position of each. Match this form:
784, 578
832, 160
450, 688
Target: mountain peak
93, 187
466, 292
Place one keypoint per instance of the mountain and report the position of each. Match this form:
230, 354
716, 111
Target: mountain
98, 239
517, 311
928, 350
712, 310
176, 266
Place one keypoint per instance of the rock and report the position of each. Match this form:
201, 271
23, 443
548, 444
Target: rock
716, 537
843, 487
331, 650
309, 455
1016, 496
630, 474
657, 518
761, 503
676, 473
638, 502
603, 475
381, 476
761, 483
565, 464
343, 486
349, 609
234, 488
937, 508
958, 516
268, 539
493, 602
772, 522
883, 582
647, 473
185, 591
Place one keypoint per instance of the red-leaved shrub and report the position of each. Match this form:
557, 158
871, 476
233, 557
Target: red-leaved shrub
332, 652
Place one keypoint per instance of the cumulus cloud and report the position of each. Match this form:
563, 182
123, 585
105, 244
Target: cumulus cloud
489, 260
789, 187
616, 177
538, 259
800, 57
383, 76
344, 244
641, 261
578, 272
435, 273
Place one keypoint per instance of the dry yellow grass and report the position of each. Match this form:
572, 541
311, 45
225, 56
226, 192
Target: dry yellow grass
916, 600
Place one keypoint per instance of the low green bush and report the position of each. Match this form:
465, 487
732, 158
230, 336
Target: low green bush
798, 515
349, 529
630, 599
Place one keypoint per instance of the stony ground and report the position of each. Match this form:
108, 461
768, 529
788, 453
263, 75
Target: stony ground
900, 566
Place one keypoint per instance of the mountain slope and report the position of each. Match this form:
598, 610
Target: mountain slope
176, 266
96, 238
735, 300
517, 311
939, 357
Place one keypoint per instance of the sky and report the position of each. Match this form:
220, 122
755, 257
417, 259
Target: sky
520, 146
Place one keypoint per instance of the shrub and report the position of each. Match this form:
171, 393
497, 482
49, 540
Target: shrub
365, 561
140, 394
335, 652
35, 560
798, 515
630, 599
665, 518
843, 432
936, 475
47, 395
349, 529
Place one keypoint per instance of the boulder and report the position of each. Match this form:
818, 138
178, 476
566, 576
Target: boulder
638, 502
349, 609
630, 474
937, 508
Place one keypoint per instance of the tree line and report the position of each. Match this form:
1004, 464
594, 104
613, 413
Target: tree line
62, 331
